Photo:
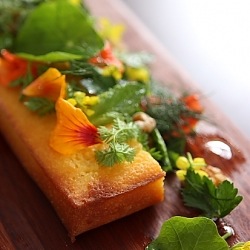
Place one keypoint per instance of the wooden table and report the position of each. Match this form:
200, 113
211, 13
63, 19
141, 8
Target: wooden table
28, 221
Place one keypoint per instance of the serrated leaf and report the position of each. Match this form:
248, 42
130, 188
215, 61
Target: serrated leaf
214, 201
180, 233
116, 153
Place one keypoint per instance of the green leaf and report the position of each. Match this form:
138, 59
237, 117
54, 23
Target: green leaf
136, 60
160, 145
115, 153
120, 132
214, 201
55, 56
40, 105
116, 139
58, 26
180, 233
122, 100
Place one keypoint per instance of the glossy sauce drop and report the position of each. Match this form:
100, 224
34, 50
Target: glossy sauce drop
219, 148
217, 151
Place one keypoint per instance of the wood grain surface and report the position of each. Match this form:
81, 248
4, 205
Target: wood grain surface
28, 221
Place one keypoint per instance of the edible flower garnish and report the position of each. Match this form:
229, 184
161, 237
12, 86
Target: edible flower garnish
73, 131
242, 246
111, 32
106, 57
184, 163
12, 67
192, 115
46, 85
84, 102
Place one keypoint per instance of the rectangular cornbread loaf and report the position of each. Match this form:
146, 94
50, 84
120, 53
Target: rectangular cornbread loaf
84, 194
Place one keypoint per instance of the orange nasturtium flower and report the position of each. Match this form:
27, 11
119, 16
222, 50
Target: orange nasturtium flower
47, 85
12, 67
188, 123
192, 103
106, 57
73, 130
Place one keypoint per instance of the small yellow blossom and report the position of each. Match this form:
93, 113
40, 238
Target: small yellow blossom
138, 74
84, 102
111, 70
246, 246
242, 246
184, 163
111, 32
72, 101
90, 100
181, 174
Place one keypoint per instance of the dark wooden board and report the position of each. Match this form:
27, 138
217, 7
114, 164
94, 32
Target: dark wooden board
28, 221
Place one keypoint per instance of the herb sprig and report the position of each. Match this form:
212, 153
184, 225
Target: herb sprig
40, 105
214, 201
117, 138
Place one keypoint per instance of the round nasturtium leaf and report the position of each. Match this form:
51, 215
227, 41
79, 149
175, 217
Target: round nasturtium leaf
180, 233
58, 26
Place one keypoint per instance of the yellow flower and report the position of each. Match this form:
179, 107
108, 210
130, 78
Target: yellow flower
184, 163
112, 71
138, 74
242, 246
110, 32
246, 246
84, 102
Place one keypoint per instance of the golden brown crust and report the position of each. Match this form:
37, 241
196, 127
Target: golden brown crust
84, 194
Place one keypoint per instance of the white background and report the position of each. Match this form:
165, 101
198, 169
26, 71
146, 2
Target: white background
211, 41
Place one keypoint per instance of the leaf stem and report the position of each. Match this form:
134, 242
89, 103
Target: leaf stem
229, 232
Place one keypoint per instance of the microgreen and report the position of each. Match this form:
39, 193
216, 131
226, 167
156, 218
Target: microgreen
116, 138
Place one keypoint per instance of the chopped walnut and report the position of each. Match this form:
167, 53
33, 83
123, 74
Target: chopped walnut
215, 174
144, 121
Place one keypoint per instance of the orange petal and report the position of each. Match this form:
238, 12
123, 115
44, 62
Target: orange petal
107, 57
11, 67
46, 85
73, 131
193, 103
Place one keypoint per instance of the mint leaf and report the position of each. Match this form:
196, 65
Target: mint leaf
120, 101
214, 201
58, 26
180, 233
